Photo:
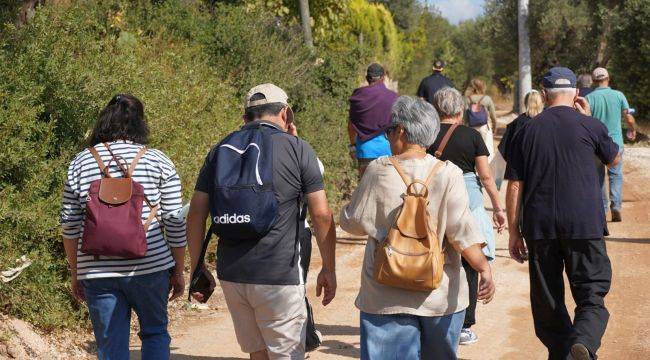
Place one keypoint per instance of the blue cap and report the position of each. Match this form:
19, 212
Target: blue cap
558, 78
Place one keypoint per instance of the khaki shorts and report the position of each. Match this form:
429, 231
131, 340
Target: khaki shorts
271, 317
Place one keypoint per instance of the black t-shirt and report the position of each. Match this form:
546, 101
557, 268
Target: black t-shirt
511, 130
273, 260
463, 147
554, 155
431, 84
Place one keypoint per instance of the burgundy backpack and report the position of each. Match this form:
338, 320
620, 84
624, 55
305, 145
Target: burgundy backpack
113, 224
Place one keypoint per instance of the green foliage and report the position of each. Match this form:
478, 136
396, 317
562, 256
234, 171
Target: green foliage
58, 71
189, 66
579, 34
631, 46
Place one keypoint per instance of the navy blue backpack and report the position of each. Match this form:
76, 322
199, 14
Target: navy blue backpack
243, 204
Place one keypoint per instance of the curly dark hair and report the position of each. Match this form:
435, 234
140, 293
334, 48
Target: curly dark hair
122, 119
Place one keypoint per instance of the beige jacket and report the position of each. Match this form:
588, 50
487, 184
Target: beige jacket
371, 212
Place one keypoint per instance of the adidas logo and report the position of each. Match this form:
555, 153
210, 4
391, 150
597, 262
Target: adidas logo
232, 219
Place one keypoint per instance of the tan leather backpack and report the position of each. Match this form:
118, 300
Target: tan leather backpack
411, 256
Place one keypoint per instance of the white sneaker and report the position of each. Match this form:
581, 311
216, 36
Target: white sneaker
467, 337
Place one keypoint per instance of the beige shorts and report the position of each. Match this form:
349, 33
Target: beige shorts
271, 317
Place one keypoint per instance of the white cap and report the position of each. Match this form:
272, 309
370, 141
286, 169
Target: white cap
272, 94
600, 73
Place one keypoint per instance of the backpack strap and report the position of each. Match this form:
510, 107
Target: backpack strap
401, 173
434, 171
117, 161
102, 167
135, 160
445, 140
152, 214
154, 208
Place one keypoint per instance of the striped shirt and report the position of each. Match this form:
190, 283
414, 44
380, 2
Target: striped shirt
157, 174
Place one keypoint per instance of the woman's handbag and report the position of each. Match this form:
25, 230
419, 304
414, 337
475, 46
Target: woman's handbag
411, 256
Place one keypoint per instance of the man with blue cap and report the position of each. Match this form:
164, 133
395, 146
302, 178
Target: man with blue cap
554, 203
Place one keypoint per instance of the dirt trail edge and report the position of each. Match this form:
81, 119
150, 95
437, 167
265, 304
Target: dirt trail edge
505, 327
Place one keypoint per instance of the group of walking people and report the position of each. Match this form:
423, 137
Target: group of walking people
419, 200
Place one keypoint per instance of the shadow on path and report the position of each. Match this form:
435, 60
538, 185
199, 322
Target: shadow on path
631, 241
136, 355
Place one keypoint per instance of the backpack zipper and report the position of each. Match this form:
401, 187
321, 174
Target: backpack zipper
391, 249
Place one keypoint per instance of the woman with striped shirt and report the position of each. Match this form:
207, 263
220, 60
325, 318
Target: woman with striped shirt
113, 286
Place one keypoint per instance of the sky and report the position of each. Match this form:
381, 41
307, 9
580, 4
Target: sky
458, 10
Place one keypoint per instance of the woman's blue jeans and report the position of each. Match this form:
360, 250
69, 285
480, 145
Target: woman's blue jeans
410, 337
110, 302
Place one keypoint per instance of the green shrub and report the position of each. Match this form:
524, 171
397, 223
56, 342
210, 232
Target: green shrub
189, 66
59, 71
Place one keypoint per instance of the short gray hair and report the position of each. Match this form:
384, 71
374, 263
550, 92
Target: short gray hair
585, 81
418, 118
552, 93
449, 102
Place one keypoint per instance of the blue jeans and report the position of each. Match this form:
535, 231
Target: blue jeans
409, 337
480, 215
110, 302
615, 175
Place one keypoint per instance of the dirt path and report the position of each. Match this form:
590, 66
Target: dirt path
505, 326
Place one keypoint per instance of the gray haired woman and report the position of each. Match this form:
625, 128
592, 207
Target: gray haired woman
466, 149
404, 324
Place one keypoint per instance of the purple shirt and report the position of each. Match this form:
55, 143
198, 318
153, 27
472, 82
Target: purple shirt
370, 110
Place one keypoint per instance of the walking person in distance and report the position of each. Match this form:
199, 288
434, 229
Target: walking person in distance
369, 117
118, 197
253, 185
534, 103
464, 147
554, 193
434, 82
610, 106
481, 113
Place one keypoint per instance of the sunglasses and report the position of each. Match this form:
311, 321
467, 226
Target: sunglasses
389, 130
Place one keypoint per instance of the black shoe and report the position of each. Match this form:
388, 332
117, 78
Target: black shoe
616, 216
580, 352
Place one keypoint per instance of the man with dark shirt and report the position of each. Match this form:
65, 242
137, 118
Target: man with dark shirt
262, 279
434, 82
555, 191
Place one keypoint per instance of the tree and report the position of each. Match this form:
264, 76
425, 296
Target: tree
524, 55
306, 22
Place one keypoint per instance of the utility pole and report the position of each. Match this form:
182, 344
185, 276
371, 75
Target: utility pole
306, 23
525, 82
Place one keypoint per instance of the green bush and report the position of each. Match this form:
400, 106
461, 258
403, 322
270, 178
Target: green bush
189, 66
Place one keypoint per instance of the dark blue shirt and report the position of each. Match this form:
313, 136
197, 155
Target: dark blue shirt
585, 91
270, 260
430, 85
555, 156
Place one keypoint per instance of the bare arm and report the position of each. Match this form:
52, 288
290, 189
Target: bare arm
323, 223
198, 214
352, 133
477, 260
70, 247
631, 123
493, 115
485, 174
616, 161
514, 197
